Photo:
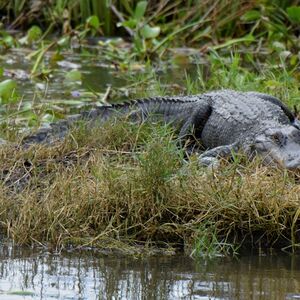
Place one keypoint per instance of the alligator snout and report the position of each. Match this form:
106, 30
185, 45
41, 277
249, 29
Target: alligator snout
292, 162
281, 146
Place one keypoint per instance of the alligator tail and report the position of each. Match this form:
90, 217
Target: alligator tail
170, 108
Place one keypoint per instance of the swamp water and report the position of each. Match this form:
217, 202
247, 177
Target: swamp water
36, 274
29, 274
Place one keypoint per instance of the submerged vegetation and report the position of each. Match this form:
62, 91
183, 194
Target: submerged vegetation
122, 186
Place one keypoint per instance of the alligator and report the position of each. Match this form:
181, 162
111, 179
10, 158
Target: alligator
223, 121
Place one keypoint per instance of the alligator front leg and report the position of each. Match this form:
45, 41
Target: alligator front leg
196, 121
210, 158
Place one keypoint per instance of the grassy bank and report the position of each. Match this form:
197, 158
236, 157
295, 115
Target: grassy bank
124, 186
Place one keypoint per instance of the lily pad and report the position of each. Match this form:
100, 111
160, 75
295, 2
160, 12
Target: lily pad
73, 75
93, 22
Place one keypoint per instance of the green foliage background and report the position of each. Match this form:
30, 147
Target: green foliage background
209, 20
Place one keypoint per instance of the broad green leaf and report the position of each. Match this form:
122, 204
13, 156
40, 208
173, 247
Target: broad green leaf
131, 23
294, 13
6, 90
251, 15
34, 33
73, 75
93, 21
149, 32
9, 41
294, 59
140, 10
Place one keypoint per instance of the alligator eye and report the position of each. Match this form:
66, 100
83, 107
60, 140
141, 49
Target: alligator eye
276, 138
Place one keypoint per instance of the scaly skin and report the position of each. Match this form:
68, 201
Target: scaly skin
254, 122
175, 110
224, 121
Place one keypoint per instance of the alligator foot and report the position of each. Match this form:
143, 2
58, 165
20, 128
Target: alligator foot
210, 158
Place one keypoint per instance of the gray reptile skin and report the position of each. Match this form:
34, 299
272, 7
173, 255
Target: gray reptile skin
224, 121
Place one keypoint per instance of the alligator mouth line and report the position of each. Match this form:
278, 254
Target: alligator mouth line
281, 163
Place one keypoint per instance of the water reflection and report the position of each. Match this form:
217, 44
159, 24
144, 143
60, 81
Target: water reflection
41, 275
95, 76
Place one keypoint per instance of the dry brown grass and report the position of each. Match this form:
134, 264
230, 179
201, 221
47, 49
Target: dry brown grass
120, 186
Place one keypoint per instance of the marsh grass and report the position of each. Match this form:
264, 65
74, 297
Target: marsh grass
219, 23
121, 186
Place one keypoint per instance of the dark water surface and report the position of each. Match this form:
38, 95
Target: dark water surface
33, 274
96, 77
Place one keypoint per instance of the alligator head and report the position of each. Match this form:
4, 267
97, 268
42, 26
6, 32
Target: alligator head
280, 145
